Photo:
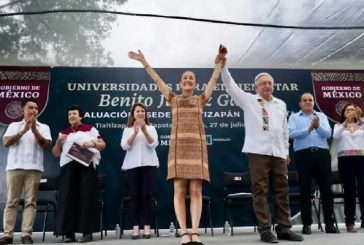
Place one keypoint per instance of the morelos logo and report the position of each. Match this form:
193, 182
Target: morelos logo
18, 84
334, 89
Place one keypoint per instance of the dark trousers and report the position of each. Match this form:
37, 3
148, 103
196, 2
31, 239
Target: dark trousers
270, 173
140, 185
77, 208
351, 169
315, 165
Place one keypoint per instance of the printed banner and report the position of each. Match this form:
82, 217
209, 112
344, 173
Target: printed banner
335, 89
106, 95
18, 84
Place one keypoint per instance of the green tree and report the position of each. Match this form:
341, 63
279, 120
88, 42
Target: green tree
74, 39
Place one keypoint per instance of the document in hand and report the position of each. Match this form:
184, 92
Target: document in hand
79, 154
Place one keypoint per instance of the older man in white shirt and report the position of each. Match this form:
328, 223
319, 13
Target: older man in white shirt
266, 145
26, 140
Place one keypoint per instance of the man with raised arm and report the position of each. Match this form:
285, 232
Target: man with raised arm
266, 145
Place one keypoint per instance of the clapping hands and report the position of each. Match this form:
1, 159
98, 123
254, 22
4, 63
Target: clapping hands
30, 124
139, 125
315, 123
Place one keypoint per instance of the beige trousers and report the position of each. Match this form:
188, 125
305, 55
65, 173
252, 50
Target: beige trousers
19, 181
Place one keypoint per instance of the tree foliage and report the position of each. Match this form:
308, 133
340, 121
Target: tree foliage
73, 39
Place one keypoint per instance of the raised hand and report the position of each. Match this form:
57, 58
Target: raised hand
222, 51
137, 56
221, 55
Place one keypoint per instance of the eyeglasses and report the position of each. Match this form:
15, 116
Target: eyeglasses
349, 109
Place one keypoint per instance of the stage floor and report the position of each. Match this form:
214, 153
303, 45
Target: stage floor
243, 235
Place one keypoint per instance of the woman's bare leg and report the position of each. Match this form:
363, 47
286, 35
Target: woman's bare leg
146, 230
180, 188
195, 206
135, 230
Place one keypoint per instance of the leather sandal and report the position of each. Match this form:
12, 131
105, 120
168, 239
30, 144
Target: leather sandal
195, 242
186, 243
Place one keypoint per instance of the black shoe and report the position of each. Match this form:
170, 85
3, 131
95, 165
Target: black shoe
134, 237
331, 229
85, 238
146, 236
69, 238
306, 229
26, 240
6, 240
290, 236
268, 237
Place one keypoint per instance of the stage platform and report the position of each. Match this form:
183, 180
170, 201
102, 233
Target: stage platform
243, 235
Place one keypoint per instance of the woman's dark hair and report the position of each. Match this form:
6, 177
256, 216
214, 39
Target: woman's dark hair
75, 108
188, 71
342, 116
131, 118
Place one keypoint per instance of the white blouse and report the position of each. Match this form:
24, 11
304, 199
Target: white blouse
349, 143
140, 153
